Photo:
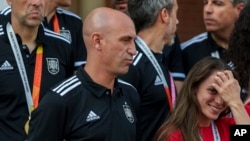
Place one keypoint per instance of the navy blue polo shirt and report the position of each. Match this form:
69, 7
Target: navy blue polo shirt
154, 103
70, 26
57, 65
173, 59
198, 48
78, 109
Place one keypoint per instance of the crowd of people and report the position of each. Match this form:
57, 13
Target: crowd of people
122, 73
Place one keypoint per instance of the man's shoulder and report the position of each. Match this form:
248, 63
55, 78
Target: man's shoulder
140, 59
55, 37
5, 15
67, 86
195, 41
5, 11
3, 22
129, 90
68, 14
126, 85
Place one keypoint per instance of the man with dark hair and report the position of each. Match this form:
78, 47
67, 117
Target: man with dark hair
219, 17
155, 22
172, 53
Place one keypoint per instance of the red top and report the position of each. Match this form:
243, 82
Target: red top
223, 126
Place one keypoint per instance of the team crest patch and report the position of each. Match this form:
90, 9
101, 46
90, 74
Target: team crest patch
128, 113
66, 34
53, 65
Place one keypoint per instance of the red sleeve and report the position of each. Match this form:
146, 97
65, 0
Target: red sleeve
232, 121
248, 108
176, 136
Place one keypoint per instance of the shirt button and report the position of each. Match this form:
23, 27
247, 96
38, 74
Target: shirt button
24, 47
27, 56
107, 92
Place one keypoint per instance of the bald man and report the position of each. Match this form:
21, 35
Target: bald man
94, 104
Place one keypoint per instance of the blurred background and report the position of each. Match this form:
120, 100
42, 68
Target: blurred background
189, 14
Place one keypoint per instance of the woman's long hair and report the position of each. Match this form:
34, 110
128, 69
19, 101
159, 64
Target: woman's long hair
186, 113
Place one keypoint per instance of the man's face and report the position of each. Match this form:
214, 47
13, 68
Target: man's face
119, 43
172, 26
27, 12
219, 15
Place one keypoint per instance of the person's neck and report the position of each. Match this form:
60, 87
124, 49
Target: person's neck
153, 39
99, 76
49, 10
204, 121
28, 34
221, 38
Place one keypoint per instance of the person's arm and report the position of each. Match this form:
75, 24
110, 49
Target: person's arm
173, 59
239, 113
228, 88
176, 136
79, 48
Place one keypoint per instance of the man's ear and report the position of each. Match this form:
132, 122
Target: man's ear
9, 2
164, 15
239, 7
96, 40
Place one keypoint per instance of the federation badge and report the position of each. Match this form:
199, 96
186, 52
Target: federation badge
53, 65
66, 34
128, 113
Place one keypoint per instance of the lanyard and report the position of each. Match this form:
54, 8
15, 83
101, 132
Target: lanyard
56, 24
38, 69
37, 75
149, 54
172, 90
215, 131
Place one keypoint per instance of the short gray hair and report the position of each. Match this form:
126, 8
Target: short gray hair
144, 12
235, 2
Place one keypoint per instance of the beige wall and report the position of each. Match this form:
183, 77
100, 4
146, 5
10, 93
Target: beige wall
80, 7
83, 7
189, 15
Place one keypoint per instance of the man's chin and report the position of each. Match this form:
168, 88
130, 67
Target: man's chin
124, 71
171, 42
211, 29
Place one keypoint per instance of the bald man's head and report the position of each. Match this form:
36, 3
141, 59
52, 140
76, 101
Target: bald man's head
103, 20
109, 38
